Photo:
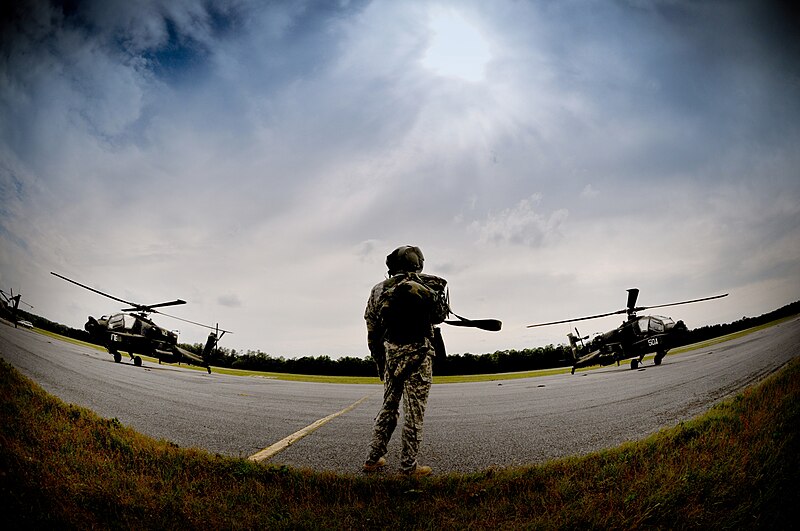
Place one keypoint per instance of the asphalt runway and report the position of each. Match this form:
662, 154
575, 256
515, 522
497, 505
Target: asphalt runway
468, 427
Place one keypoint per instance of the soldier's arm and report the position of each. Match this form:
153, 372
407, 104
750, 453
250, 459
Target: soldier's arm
375, 333
377, 350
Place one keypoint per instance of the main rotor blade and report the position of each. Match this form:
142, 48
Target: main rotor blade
172, 303
149, 307
193, 322
637, 309
490, 325
133, 306
684, 302
579, 318
95, 290
633, 293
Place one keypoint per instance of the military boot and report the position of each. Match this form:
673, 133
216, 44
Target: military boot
370, 466
419, 471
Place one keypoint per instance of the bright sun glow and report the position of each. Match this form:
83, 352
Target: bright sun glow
457, 47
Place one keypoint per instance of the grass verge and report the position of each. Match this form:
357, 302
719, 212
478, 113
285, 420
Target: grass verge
62, 466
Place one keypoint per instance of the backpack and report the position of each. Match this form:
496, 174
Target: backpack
410, 305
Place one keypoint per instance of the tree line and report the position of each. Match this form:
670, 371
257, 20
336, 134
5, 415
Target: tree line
457, 364
547, 357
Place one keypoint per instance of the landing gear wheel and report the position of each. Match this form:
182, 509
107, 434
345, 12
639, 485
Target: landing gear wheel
208, 368
137, 361
659, 357
117, 357
634, 364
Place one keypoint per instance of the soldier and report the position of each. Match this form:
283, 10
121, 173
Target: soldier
401, 314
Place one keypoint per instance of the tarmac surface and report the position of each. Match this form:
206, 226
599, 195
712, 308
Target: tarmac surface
468, 427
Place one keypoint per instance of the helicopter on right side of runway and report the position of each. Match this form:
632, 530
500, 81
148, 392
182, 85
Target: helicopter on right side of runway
636, 337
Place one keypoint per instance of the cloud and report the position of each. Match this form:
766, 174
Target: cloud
520, 224
230, 300
589, 192
281, 150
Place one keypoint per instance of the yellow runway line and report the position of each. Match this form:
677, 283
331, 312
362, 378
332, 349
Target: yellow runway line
286, 442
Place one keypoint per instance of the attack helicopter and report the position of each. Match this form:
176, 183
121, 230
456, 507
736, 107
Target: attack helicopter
633, 339
9, 305
132, 331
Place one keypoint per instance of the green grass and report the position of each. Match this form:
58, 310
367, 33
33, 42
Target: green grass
62, 466
727, 337
68, 339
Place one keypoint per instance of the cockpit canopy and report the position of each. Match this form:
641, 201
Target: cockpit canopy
121, 321
654, 324
132, 324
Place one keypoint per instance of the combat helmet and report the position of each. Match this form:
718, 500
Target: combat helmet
406, 258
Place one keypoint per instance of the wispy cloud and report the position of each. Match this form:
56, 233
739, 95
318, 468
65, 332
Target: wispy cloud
520, 224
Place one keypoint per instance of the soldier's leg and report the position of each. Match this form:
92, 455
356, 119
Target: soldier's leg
415, 398
386, 421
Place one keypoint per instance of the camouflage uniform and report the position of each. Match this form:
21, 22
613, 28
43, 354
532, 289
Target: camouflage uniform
407, 373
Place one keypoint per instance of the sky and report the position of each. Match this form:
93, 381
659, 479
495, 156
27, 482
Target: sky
260, 159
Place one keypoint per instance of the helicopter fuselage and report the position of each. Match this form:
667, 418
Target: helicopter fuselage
136, 334
633, 339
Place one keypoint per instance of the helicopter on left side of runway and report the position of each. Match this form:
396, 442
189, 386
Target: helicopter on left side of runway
132, 331
9, 306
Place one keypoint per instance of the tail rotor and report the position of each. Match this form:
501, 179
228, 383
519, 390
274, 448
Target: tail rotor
574, 346
211, 344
